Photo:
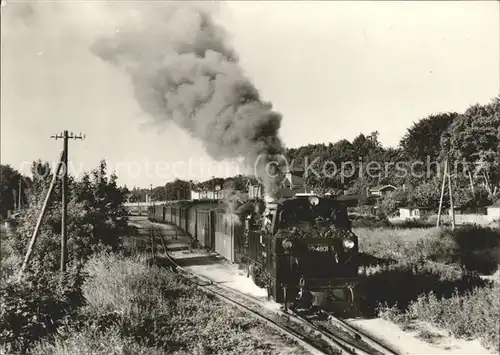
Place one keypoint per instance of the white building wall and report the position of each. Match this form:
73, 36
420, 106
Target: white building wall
493, 213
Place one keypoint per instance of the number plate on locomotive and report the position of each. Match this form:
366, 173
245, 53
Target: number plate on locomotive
319, 248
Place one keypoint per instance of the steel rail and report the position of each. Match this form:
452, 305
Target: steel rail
302, 340
376, 344
327, 335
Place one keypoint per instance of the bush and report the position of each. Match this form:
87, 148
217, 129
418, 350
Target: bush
128, 287
35, 306
430, 275
473, 315
391, 243
401, 283
96, 220
472, 247
478, 247
159, 309
412, 223
368, 221
92, 341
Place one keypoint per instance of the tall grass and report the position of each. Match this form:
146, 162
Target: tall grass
472, 247
403, 282
473, 315
92, 341
431, 275
132, 307
392, 243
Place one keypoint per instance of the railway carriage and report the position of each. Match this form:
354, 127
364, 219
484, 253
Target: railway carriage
205, 228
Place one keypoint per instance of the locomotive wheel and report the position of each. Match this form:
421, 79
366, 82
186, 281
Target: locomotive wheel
275, 292
288, 303
255, 279
354, 300
349, 296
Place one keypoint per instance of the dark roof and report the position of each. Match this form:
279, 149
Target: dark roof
348, 197
299, 173
297, 180
415, 207
381, 187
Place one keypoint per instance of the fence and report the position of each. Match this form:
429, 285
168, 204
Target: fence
480, 219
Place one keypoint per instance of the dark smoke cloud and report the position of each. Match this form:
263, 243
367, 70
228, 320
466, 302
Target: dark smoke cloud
184, 71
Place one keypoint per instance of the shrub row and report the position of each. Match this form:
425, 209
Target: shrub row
473, 247
403, 282
36, 306
132, 307
473, 315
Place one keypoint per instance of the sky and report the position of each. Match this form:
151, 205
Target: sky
332, 69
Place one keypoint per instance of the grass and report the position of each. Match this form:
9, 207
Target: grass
132, 307
472, 247
90, 340
473, 315
403, 282
391, 243
431, 275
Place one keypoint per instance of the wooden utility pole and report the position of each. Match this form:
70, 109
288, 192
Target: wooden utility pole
446, 176
442, 192
470, 181
450, 189
64, 231
40, 217
20, 191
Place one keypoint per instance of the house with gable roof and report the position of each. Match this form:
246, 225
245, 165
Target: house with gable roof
380, 190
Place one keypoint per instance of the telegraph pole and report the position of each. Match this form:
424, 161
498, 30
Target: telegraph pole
442, 192
452, 206
446, 177
64, 231
20, 191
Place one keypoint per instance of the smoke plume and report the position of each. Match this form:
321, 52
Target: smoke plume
184, 71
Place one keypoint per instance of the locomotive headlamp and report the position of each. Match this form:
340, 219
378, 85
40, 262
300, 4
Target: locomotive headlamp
287, 245
348, 244
314, 200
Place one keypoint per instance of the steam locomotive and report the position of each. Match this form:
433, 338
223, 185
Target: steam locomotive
302, 249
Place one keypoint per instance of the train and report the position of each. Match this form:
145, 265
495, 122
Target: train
302, 250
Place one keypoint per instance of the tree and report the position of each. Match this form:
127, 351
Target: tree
97, 219
389, 204
237, 183
9, 188
428, 130
8, 185
427, 194
177, 189
474, 138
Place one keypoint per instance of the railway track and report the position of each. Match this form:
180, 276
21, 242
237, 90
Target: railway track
317, 337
